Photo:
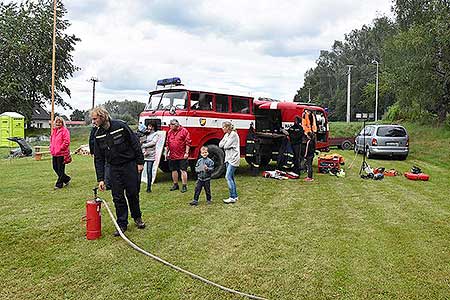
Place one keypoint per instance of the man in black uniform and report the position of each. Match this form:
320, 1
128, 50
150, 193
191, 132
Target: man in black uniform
116, 144
295, 136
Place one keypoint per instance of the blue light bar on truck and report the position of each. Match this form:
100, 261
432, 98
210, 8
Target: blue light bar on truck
169, 81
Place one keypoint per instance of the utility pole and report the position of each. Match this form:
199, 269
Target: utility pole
348, 92
52, 116
93, 80
309, 95
376, 92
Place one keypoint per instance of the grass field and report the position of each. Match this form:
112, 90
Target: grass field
334, 238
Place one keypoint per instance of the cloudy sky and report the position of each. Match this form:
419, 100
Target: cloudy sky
258, 48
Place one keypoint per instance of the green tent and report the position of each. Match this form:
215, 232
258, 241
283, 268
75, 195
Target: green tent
11, 125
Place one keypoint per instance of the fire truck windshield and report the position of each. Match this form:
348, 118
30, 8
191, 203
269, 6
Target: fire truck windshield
166, 100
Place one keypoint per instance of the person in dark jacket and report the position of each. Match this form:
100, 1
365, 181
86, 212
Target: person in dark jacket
310, 149
117, 144
91, 150
203, 168
295, 133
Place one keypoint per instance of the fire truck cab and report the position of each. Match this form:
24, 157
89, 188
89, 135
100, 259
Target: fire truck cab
202, 114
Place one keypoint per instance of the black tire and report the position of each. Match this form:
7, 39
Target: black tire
263, 164
218, 156
346, 145
265, 160
403, 157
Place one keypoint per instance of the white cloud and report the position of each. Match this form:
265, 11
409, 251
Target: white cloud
261, 48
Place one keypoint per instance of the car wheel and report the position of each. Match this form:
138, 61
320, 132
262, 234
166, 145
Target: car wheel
403, 157
218, 156
346, 145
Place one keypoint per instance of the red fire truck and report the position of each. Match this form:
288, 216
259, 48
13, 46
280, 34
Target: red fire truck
202, 113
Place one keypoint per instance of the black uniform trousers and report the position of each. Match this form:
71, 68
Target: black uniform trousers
125, 181
309, 161
60, 168
297, 157
198, 188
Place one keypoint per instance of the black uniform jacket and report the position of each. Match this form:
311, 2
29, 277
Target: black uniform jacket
117, 145
295, 134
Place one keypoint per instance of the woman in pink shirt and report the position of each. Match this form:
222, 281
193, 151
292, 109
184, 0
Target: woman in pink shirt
59, 148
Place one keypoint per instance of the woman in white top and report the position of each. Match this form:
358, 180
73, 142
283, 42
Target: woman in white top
231, 146
149, 151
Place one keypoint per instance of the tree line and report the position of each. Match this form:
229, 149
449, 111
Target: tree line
126, 110
26, 38
413, 54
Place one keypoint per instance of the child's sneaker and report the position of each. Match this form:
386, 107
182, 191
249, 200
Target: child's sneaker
193, 203
309, 179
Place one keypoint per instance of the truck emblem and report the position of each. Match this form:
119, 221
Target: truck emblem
202, 121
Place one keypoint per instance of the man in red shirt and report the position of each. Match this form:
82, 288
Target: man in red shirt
178, 145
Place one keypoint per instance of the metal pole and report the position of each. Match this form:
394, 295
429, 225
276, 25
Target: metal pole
93, 94
52, 116
348, 92
93, 80
309, 95
376, 92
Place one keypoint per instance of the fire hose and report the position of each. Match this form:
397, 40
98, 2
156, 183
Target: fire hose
195, 276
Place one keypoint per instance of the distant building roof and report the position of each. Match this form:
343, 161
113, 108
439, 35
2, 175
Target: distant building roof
76, 123
40, 114
12, 114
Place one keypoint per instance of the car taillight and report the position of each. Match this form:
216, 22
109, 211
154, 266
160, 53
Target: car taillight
374, 142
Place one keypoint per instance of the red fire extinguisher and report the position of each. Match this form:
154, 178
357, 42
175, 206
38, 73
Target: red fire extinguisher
93, 217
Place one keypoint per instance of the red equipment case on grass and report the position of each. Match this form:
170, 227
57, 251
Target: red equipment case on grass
327, 162
420, 176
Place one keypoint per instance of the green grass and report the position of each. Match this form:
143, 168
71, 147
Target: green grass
335, 238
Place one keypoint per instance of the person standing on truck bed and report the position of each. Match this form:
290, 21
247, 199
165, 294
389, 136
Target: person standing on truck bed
117, 144
178, 145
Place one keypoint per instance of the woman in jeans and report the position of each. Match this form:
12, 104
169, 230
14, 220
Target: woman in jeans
231, 146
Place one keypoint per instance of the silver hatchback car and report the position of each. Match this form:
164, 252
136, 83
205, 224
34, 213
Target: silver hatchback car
392, 140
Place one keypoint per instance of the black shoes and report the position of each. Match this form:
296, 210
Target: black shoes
177, 187
117, 233
139, 223
193, 203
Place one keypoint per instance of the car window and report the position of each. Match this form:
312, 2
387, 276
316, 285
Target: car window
368, 131
391, 131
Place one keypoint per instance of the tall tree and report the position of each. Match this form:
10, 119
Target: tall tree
26, 55
328, 80
419, 57
77, 115
127, 110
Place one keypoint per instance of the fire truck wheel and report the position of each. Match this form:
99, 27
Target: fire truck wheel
218, 156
